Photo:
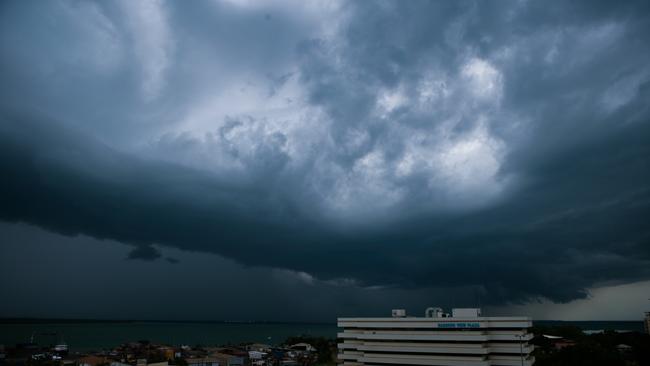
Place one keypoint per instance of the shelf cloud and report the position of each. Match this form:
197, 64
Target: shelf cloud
500, 146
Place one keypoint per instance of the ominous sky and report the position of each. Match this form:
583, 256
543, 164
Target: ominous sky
295, 160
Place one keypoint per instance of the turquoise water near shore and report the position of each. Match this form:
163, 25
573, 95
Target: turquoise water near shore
83, 336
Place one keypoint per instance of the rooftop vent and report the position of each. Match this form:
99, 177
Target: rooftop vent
433, 313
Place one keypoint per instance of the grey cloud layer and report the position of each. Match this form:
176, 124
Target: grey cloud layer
420, 144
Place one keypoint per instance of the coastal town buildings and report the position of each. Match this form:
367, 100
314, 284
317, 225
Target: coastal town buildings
91, 360
203, 361
462, 338
144, 353
225, 359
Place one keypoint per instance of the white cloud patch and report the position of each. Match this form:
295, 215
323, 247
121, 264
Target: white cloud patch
102, 46
470, 165
623, 91
153, 42
484, 80
389, 100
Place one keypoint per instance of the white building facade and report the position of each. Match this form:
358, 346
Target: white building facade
463, 338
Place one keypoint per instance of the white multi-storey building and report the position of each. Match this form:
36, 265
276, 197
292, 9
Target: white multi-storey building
464, 338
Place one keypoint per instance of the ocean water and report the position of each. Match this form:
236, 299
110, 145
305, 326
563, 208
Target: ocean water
595, 325
83, 336
102, 335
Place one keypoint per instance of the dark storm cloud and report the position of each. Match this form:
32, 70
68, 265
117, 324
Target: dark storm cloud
517, 250
172, 260
61, 259
145, 253
501, 147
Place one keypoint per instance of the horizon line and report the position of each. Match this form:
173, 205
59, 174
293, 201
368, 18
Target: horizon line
9, 320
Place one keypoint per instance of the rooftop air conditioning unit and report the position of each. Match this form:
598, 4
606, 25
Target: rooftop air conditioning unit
399, 313
466, 313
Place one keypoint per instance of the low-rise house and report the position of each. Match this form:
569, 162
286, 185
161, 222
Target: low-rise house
91, 360
259, 347
624, 348
559, 342
161, 363
167, 352
229, 360
118, 363
256, 355
303, 347
563, 343
203, 361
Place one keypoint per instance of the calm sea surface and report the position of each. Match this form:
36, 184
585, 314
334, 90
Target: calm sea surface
95, 336
87, 336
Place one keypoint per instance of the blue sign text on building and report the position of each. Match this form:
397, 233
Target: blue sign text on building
459, 325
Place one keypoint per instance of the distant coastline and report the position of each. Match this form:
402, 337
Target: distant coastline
583, 324
620, 325
127, 321
95, 334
